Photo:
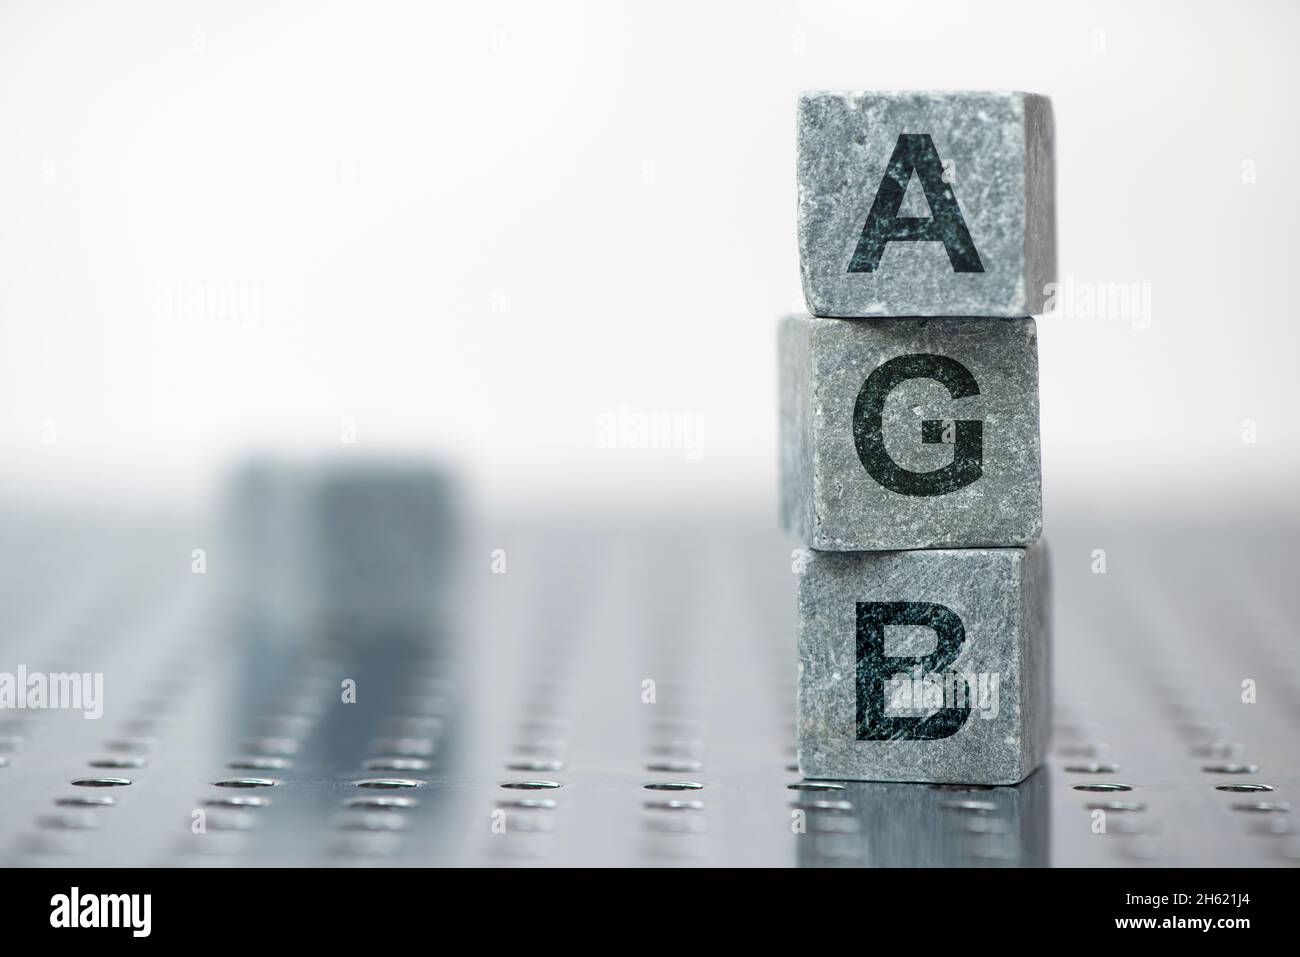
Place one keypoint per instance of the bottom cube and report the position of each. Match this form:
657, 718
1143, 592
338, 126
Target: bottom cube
925, 665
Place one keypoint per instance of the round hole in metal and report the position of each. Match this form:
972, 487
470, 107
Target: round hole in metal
1243, 787
1092, 768
403, 746
1231, 768
139, 745
677, 725
303, 706
536, 823
70, 821
247, 783
970, 807
675, 767
260, 763
1278, 824
543, 726
373, 820
238, 801
677, 805
535, 766
981, 824
815, 786
1265, 807
285, 725
684, 747
119, 763
1098, 749
531, 785
382, 802
411, 726
531, 804
390, 784
1224, 750
233, 820
1115, 806
54, 842
835, 824
674, 786
86, 800
271, 745
821, 804
542, 747
420, 707
101, 782
1103, 787
397, 764
676, 823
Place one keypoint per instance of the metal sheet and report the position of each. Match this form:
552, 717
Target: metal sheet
647, 669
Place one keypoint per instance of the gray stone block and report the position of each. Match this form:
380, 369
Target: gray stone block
926, 204
910, 433
360, 547
925, 666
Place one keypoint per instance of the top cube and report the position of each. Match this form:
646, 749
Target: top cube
926, 204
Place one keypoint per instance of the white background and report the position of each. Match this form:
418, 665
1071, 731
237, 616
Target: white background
475, 228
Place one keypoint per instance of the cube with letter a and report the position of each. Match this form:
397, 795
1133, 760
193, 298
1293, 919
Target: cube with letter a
926, 204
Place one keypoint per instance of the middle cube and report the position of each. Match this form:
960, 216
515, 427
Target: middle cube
910, 433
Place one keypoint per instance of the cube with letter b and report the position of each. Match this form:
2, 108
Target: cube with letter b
925, 665
910, 433
926, 204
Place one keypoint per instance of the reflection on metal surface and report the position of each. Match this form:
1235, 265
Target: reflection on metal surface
870, 824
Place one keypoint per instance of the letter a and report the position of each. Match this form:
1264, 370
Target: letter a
915, 152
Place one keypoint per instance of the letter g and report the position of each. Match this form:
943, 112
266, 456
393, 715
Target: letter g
868, 424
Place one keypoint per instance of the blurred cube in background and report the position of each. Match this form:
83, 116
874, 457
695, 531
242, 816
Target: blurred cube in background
342, 545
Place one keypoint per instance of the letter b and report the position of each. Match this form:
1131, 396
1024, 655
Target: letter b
874, 669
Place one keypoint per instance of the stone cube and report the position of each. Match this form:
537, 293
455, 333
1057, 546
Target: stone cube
926, 666
926, 204
910, 433
361, 547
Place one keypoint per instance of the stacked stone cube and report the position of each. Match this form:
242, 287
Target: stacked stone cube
910, 436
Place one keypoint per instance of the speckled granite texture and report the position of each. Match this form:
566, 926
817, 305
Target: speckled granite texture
963, 182
880, 632
982, 486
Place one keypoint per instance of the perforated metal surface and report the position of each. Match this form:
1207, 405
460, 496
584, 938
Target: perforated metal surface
527, 727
